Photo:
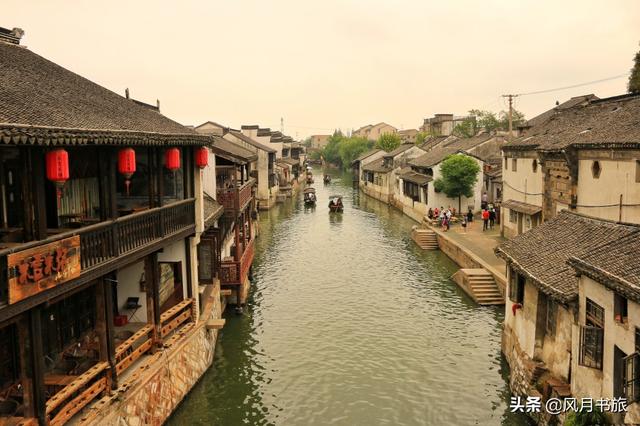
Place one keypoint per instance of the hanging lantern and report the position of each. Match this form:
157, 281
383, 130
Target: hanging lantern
57, 162
172, 159
202, 157
127, 165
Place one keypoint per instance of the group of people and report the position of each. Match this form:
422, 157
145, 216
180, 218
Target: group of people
443, 216
489, 216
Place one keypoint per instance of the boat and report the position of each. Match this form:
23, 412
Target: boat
327, 179
335, 204
309, 196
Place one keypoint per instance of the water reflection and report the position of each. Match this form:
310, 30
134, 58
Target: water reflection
350, 323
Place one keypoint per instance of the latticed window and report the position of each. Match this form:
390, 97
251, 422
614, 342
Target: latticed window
592, 336
513, 216
550, 326
516, 287
632, 376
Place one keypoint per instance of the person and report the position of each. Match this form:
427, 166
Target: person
445, 223
470, 216
436, 212
441, 217
464, 224
484, 200
492, 217
485, 219
430, 213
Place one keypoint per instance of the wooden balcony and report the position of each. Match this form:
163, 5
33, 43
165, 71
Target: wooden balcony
234, 200
104, 245
235, 272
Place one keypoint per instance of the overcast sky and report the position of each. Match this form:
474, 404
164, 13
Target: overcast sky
328, 63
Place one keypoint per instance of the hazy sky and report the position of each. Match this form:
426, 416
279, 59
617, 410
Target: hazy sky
328, 63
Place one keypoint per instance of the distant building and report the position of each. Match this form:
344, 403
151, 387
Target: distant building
373, 132
408, 135
441, 124
319, 141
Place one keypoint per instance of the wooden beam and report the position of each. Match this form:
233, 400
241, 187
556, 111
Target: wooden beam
175, 323
124, 346
82, 380
187, 256
39, 202
101, 326
133, 356
107, 285
216, 324
37, 363
79, 402
174, 310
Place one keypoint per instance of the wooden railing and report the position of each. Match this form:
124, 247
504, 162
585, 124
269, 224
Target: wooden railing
127, 354
107, 240
236, 199
173, 318
235, 272
76, 395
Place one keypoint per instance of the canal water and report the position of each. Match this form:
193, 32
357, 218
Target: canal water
349, 323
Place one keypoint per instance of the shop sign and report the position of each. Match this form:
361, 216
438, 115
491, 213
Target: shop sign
37, 269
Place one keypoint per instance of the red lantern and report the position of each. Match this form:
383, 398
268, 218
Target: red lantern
58, 169
127, 165
172, 159
202, 157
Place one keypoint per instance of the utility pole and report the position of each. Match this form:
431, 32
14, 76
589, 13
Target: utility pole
510, 114
282, 125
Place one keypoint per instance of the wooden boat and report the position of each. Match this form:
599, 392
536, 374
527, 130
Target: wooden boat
310, 197
327, 179
335, 204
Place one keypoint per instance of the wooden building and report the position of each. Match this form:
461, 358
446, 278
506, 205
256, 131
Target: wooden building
100, 210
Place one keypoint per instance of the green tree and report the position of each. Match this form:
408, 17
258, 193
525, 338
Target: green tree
421, 137
351, 148
634, 78
388, 142
517, 119
459, 175
465, 129
486, 120
586, 418
331, 152
307, 142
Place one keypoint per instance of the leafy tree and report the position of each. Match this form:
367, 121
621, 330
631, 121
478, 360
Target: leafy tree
331, 152
421, 137
351, 148
517, 119
486, 120
315, 155
586, 418
459, 175
634, 78
388, 142
465, 129
307, 142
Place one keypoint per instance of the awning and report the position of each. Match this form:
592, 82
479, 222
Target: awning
519, 206
212, 210
417, 178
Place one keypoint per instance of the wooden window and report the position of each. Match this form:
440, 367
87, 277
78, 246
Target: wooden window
620, 307
513, 216
592, 336
534, 165
594, 314
550, 324
516, 287
632, 376
506, 163
596, 169
638, 171
514, 164
411, 190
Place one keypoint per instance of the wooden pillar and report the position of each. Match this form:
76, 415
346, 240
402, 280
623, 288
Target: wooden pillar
188, 171
24, 347
37, 360
101, 329
107, 287
159, 176
153, 296
187, 256
151, 159
107, 183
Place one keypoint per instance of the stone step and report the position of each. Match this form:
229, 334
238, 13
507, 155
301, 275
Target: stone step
480, 285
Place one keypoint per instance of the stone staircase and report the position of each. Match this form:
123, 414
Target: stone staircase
426, 239
480, 285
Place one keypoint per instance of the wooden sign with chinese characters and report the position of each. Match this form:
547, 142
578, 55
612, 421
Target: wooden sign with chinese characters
40, 268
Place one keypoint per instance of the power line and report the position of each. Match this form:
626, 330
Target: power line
574, 85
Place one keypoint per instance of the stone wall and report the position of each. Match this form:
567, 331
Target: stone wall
160, 382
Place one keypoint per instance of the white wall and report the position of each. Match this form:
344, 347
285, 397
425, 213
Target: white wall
440, 199
520, 185
209, 176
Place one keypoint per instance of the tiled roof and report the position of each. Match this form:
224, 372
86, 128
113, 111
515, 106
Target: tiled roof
212, 210
519, 206
438, 153
616, 265
432, 141
41, 102
602, 123
251, 141
399, 150
232, 151
376, 166
365, 155
408, 174
573, 102
542, 253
